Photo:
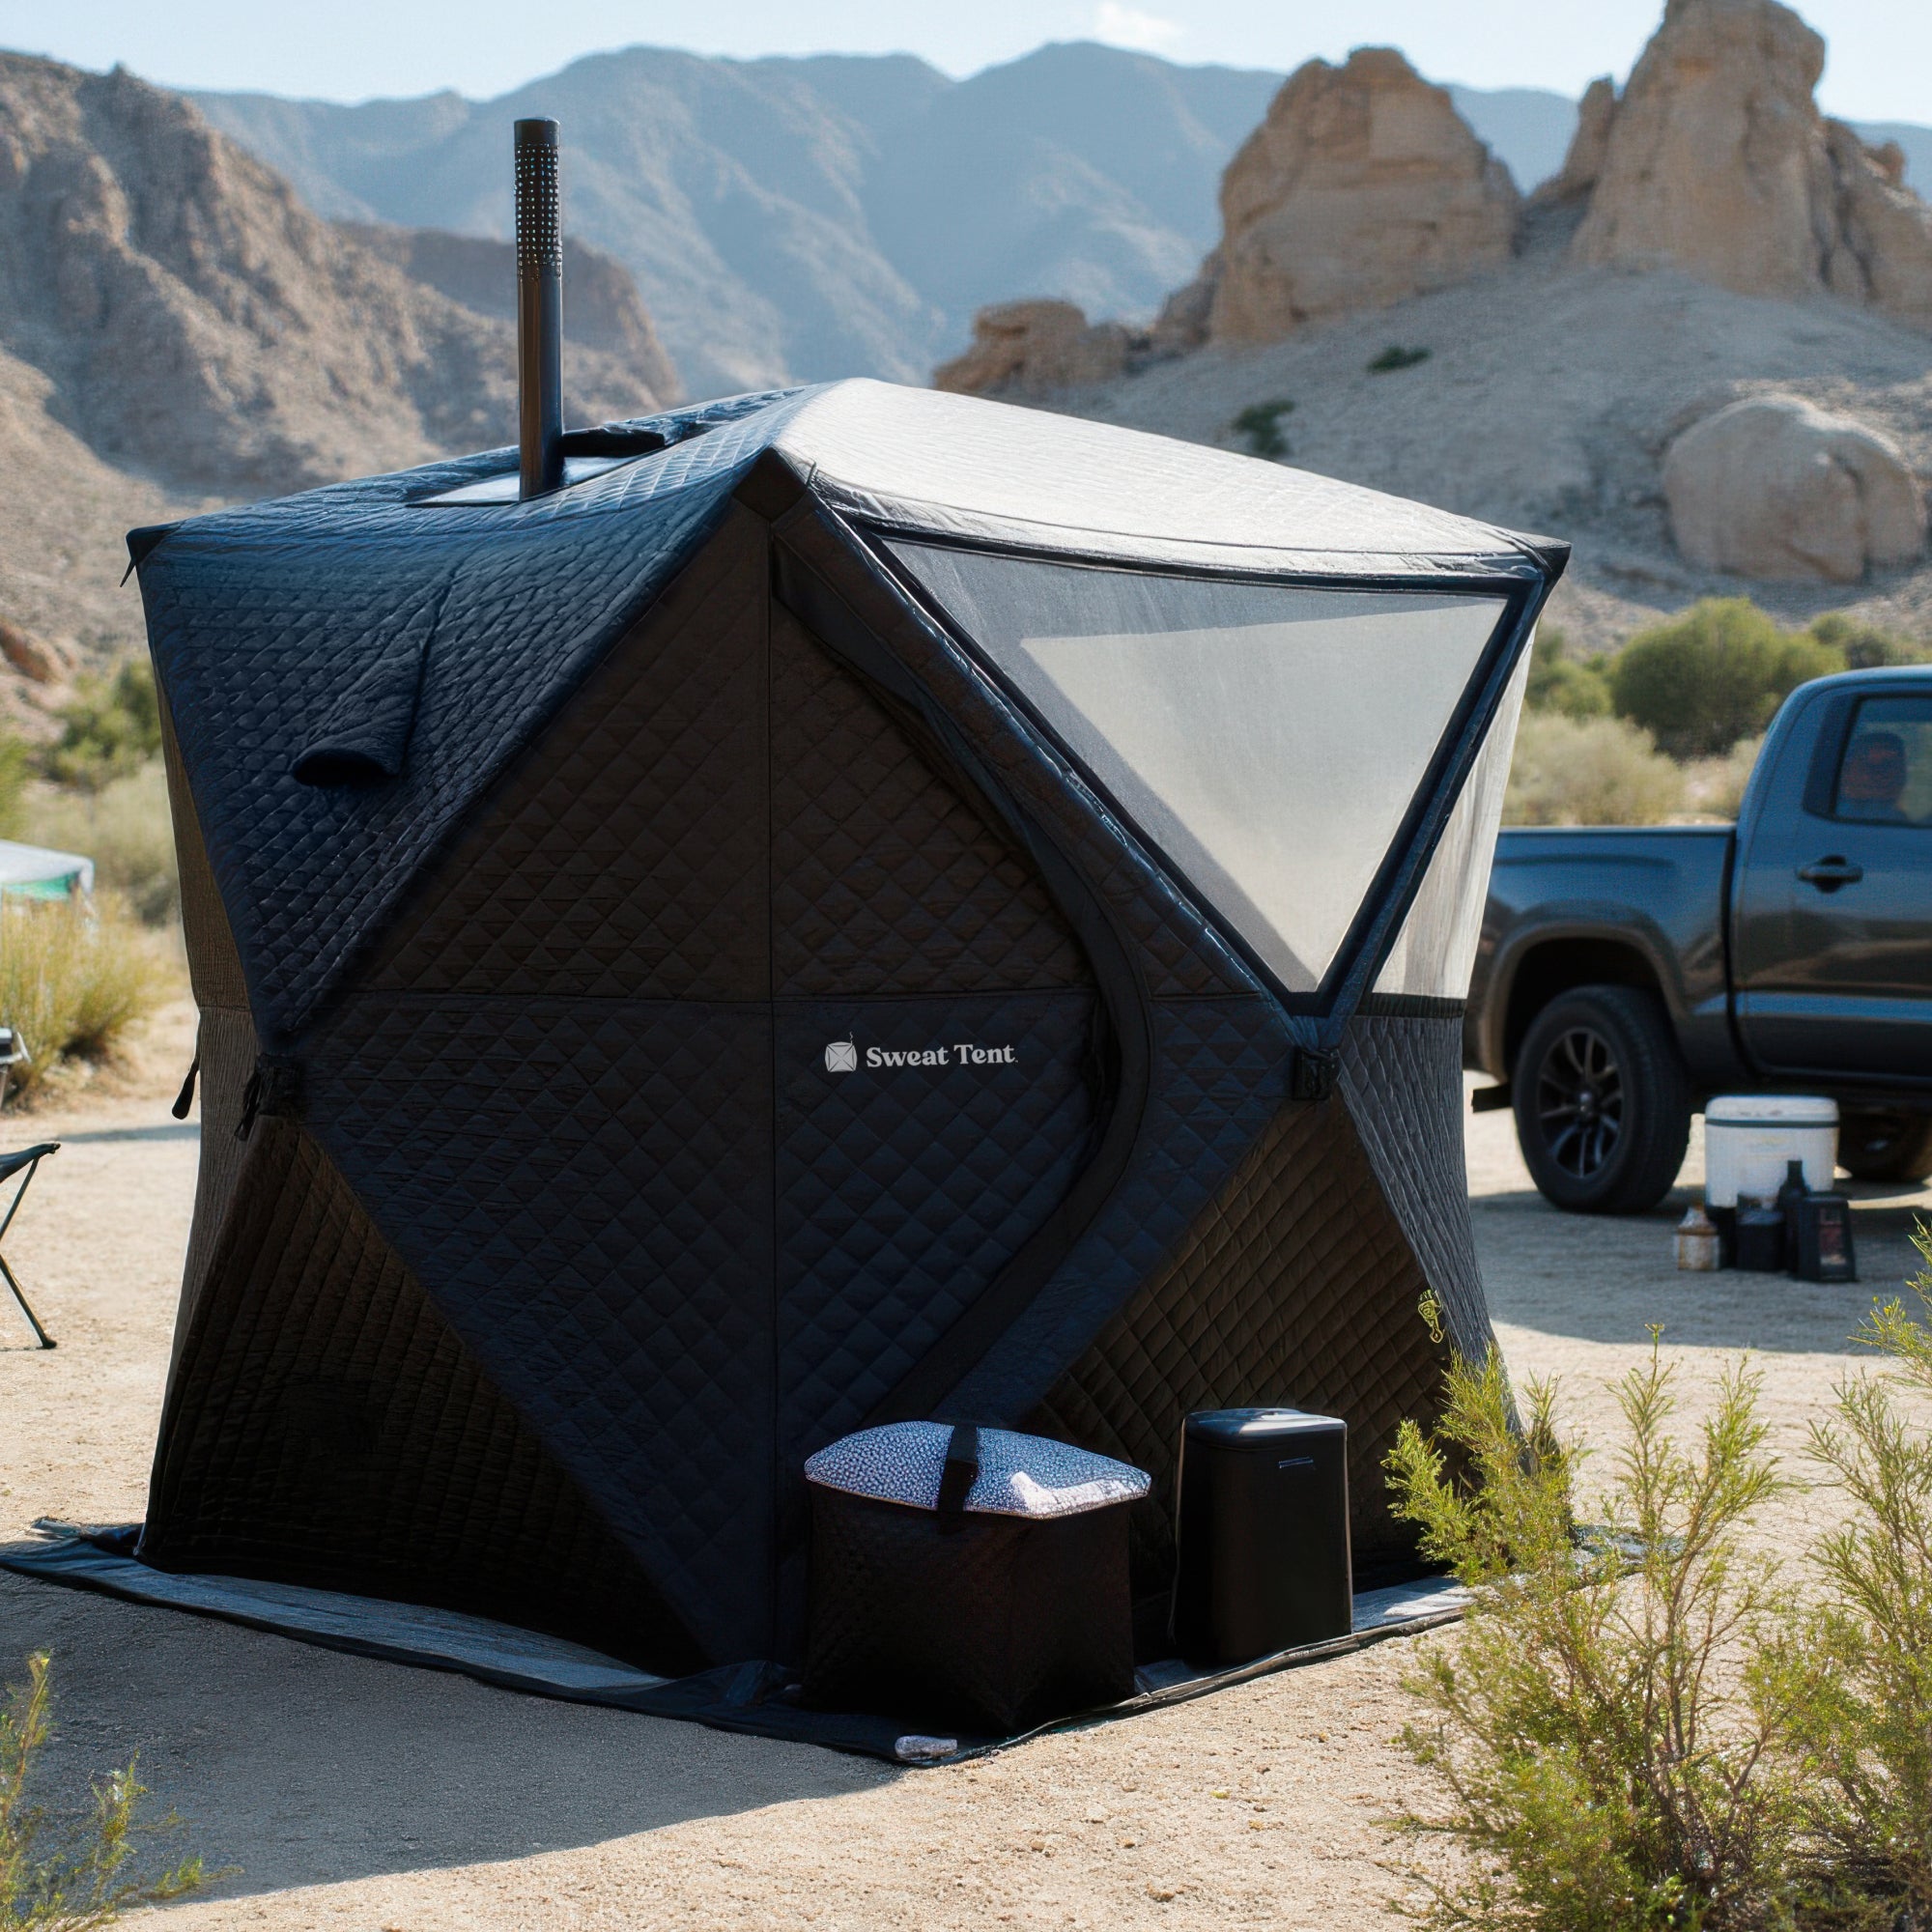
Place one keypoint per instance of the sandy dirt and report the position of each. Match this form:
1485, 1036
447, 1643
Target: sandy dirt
361, 1795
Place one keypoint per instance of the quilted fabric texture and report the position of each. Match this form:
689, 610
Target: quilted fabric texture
623, 856
995, 1626
327, 1428
884, 880
902, 1190
1295, 1289
1402, 1077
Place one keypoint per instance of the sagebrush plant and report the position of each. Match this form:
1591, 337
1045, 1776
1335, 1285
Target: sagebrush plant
1258, 426
71, 1875
110, 731
74, 978
1577, 687
1701, 681
1589, 771
125, 827
1610, 1760
1858, 1665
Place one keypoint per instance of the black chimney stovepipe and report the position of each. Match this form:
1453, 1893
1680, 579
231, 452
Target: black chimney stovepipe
539, 310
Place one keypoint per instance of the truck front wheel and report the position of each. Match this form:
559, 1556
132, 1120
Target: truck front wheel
1602, 1101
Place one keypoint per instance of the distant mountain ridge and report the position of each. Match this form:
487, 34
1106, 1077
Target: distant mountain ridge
792, 220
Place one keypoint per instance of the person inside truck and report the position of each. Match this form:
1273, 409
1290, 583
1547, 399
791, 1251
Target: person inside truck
1872, 778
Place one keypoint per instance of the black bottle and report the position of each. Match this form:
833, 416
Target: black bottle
1789, 1196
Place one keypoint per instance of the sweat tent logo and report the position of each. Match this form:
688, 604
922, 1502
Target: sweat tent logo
842, 1056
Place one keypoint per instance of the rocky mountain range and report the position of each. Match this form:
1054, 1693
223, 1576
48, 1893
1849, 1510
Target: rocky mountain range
794, 219
177, 324
1702, 349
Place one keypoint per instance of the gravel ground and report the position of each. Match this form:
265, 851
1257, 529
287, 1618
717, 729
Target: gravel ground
361, 1795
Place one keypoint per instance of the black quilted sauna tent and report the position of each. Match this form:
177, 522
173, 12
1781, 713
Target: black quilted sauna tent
867, 905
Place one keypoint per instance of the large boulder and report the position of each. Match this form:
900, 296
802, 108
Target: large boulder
1027, 348
1363, 186
1774, 486
1717, 160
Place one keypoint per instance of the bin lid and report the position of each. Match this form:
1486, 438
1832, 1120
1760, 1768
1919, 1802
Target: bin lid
1257, 1428
1019, 1475
1771, 1110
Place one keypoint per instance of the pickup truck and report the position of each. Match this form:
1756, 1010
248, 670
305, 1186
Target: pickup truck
1625, 976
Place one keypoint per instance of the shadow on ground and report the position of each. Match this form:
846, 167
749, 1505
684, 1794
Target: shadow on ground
301, 1766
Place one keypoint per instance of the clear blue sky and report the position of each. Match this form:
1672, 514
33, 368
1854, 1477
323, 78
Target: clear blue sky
1880, 67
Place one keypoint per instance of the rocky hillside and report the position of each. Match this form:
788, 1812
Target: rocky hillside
176, 325
1711, 236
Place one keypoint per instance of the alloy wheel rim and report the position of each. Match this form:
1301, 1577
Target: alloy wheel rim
1579, 1102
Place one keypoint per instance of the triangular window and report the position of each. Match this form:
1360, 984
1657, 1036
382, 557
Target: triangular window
1266, 739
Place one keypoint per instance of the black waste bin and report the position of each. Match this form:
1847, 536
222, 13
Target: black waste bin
1262, 1529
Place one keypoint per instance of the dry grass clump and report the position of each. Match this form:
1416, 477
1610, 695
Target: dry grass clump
74, 978
123, 826
1589, 771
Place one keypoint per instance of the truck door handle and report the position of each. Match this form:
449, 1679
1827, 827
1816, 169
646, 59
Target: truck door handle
1828, 874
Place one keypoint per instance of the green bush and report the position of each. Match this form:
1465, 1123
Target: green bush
73, 1875
1603, 1768
1861, 1663
1258, 426
1864, 646
110, 731
15, 769
73, 978
1558, 682
1589, 771
1395, 356
124, 826
1701, 681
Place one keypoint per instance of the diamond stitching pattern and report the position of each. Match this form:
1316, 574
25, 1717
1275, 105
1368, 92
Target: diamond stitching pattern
589, 1203
884, 880
625, 856
328, 1426
903, 1191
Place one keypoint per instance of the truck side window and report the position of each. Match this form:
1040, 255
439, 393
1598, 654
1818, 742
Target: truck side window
1884, 777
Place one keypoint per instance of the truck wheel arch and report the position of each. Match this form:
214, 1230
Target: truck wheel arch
1551, 963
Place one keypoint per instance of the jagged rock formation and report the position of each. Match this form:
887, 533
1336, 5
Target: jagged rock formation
197, 323
1024, 347
1775, 488
602, 309
1717, 160
1584, 161
1363, 186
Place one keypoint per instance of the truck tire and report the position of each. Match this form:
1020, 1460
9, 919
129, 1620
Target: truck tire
1885, 1144
1602, 1101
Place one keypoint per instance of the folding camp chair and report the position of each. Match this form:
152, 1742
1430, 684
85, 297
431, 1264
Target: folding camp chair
11, 1164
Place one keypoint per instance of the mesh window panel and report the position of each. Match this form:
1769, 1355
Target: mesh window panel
1266, 739
1435, 952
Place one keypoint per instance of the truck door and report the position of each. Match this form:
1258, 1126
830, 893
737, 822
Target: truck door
1833, 895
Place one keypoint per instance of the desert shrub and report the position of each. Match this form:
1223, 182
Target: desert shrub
1395, 356
110, 731
1717, 786
1864, 646
1861, 1662
1701, 681
1575, 686
15, 769
1589, 771
71, 1875
124, 826
73, 978
1608, 1765
1258, 426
